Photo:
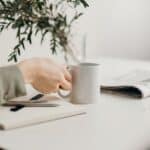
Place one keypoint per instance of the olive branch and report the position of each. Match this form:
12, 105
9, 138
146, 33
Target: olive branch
32, 17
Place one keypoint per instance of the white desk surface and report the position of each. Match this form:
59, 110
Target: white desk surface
116, 123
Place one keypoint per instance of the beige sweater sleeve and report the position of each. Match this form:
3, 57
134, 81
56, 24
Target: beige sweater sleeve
11, 83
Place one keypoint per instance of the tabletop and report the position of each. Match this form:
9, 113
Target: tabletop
115, 123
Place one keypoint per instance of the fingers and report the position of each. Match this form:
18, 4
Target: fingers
65, 85
46, 89
67, 75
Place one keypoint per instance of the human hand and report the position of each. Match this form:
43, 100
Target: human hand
45, 75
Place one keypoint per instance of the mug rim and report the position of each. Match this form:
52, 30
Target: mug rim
89, 64
84, 64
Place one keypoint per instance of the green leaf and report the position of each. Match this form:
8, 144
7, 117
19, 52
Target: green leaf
2, 28
29, 36
10, 18
19, 51
13, 57
43, 35
36, 31
84, 3
16, 47
3, 3
22, 43
51, 7
77, 16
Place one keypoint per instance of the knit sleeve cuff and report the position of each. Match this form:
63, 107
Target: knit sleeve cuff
11, 83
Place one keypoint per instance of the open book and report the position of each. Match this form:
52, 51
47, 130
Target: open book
135, 83
29, 115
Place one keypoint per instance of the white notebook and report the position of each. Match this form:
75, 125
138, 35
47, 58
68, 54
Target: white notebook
35, 115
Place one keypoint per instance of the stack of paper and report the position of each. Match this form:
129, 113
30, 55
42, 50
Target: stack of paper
35, 115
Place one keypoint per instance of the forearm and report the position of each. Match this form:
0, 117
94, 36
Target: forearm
11, 83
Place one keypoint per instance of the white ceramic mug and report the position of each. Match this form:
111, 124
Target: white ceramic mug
85, 83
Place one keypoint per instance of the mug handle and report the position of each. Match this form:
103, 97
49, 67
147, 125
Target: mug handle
64, 96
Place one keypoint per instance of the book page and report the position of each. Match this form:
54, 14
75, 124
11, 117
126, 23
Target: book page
135, 83
132, 78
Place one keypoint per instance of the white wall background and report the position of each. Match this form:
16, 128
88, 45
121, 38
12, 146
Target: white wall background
119, 28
